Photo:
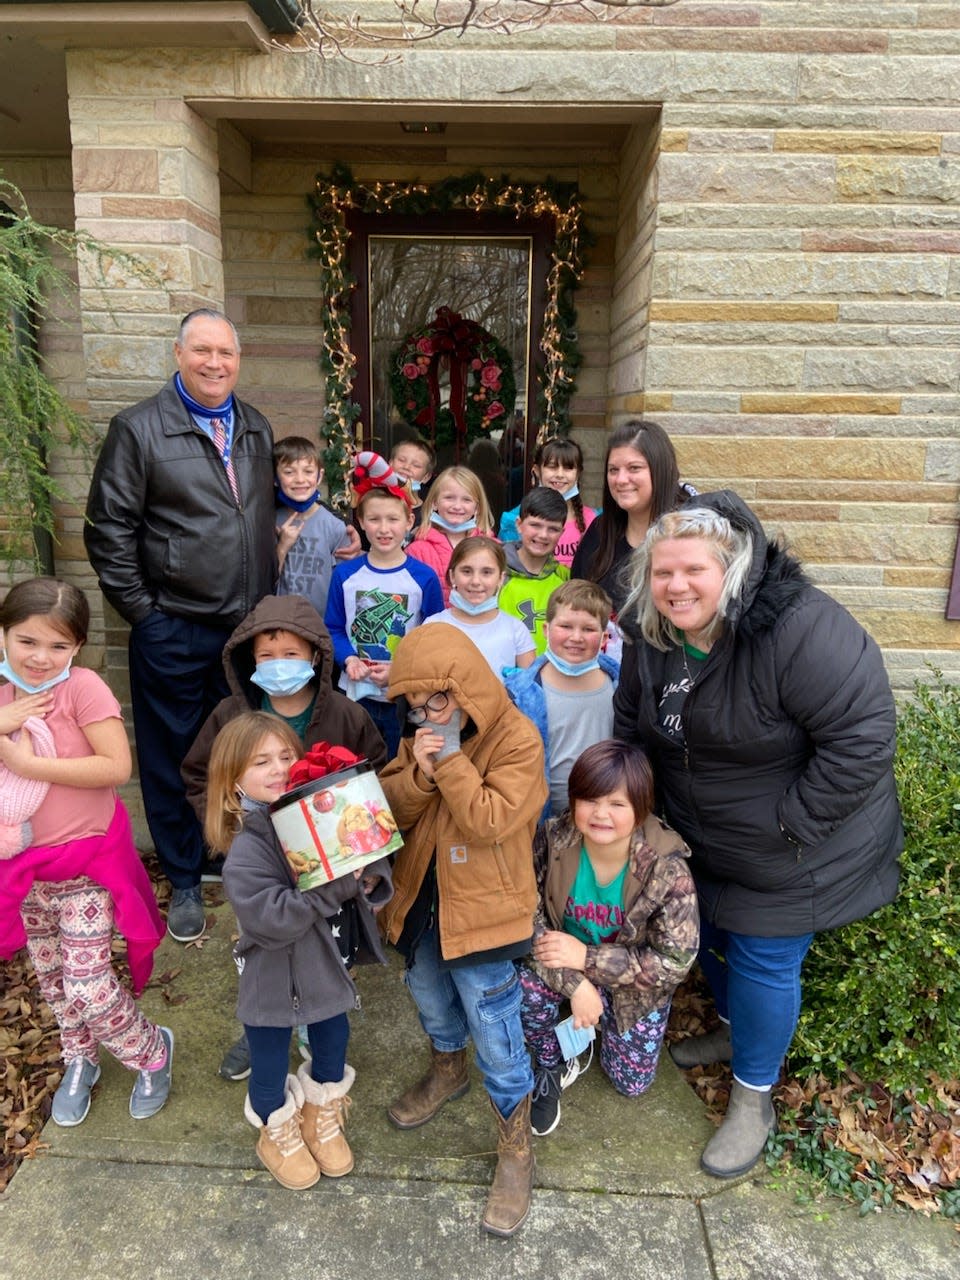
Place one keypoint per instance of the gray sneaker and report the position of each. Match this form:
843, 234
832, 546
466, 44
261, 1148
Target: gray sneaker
71, 1102
152, 1088
186, 918
235, 1064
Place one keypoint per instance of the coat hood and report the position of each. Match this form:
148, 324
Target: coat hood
775, 577
441, 658
275, 613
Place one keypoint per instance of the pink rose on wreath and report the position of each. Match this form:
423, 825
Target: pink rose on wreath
411, 371
494, 410
425, 346
476, 363
490, 375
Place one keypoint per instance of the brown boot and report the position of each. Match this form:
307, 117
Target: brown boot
447, 1079
509, 1201
323, 1120
280, 1147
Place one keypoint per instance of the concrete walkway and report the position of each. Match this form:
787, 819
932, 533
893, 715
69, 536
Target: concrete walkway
619, 1192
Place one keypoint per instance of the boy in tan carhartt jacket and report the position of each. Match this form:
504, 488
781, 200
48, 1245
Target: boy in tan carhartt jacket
466, 789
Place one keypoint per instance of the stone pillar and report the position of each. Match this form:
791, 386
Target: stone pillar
145, 175
145, 169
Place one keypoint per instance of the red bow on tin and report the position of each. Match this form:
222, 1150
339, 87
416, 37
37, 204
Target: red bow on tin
320, 760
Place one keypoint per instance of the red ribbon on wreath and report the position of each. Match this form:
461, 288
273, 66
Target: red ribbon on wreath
454, 341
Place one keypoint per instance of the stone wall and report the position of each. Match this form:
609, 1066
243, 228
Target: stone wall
776, 274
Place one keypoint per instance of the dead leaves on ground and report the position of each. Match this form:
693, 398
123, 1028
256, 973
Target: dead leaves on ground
912, 1140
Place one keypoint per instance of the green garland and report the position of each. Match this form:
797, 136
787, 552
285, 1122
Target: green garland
337, 191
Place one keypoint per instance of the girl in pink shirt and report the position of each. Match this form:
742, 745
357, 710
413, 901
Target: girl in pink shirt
79, 872
456, 508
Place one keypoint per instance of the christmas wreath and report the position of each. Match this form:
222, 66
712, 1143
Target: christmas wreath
483, 390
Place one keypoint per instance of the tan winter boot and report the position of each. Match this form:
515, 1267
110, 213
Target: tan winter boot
324, 1118
280, 1147
447, 1079
509, 1200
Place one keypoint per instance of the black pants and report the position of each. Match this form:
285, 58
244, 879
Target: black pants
176, 679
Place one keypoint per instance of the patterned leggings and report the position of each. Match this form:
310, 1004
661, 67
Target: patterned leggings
69, 926
628, 1058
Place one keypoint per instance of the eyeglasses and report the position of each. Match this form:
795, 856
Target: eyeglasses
435, 703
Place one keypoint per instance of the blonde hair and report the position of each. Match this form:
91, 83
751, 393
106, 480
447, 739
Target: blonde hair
468, 480
233, 748
732, 548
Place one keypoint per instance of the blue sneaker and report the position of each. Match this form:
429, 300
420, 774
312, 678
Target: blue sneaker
152, 1088
71, 1102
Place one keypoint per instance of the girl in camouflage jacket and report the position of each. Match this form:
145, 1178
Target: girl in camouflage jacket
616, 932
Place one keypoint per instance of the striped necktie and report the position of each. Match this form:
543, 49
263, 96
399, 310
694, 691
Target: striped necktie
220, 443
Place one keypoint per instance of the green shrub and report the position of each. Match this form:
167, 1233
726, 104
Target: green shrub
882, 995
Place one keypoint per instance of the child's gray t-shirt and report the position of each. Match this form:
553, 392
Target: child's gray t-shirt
575, 721
309, 563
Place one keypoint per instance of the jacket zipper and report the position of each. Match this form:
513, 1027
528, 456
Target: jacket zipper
792, 840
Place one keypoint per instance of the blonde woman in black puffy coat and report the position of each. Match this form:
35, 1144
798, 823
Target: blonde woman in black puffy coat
768, 716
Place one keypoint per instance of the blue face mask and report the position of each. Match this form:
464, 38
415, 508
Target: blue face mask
281, 677
415, 485
571, 493
572, 668
473, 610
463, 527
11, 675
251, 806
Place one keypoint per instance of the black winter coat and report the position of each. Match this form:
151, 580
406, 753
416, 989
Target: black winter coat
163, 529
784, 789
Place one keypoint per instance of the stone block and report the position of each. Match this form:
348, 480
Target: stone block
704, 402
881, 370
913, 81
784, 458
735, 240
886, 241
810, 403
835, 276
182, 174
916, 576
673, 139
757, 179
710, 312
871, 544
728, 140
942, 461
903, 628
124, 169
849, 141
889, 178
726, 368
127, 356
858, 489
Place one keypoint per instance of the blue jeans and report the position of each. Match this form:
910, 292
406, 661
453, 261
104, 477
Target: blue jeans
270, 1059
386, 717
756, 986
479, 1001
